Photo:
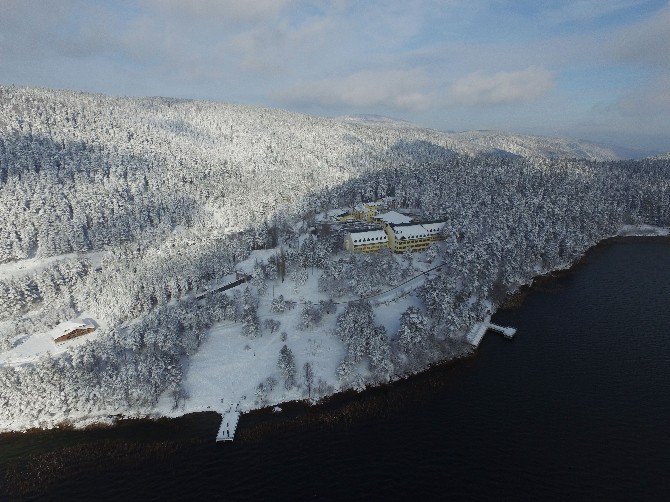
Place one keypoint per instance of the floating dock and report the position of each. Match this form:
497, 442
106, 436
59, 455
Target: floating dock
228, 426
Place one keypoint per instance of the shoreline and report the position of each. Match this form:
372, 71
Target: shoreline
340, 404
351, 401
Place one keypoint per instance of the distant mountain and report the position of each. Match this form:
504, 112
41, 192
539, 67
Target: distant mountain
372, 119
661, 156
546, 146
504, 143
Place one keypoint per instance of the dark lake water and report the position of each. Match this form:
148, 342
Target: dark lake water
577, 406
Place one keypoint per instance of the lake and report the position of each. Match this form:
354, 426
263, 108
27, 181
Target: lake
576, 406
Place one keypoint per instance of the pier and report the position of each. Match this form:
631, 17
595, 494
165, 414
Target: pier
506, 332
228, 426
476, 334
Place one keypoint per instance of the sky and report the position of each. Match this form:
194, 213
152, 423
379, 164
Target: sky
591, 69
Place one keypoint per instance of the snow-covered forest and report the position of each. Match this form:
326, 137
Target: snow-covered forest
129, 210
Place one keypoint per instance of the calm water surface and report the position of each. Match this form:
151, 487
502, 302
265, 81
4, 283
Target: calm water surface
577, 406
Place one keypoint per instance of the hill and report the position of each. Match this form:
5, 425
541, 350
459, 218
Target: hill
141, 215
502, 143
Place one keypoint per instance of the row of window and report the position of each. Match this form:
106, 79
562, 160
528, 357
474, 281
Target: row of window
370, 239
404, 246
371, 246
425, 236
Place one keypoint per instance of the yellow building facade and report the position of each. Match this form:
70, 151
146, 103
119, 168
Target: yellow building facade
366, 242
405, 238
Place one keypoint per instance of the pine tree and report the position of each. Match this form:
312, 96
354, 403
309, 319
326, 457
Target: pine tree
287, 369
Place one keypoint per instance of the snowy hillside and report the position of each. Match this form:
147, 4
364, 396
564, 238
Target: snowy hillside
145, 217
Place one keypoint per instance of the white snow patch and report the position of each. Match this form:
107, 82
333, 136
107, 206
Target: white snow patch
34, 346
643, 231
33, 265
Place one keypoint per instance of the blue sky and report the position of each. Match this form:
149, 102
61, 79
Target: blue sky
597, 70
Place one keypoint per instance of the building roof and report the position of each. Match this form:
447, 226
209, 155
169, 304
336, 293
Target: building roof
433, 226
393, 217
68, 327
416, 231
331, 214
366, 206
334, 213
369, 237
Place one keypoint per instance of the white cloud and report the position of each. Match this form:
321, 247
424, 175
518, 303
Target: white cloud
216, 10
651, 101
647, 42
588, 10
396, 89
502, 87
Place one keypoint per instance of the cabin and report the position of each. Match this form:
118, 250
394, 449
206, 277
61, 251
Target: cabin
241, 276
366, 242
408, 237
72, 329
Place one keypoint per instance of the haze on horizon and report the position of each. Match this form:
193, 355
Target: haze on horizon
585, 69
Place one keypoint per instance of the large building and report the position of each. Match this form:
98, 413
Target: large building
407, 237
400, 237
366, 242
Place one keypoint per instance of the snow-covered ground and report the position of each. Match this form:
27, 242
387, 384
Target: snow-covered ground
30, 348
642, 231
228, 367
225, 372
32, 265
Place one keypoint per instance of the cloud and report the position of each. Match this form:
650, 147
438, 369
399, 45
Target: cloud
588, 10
647, 42
271, 47
396, 89
216, 10
479, 89
650, 102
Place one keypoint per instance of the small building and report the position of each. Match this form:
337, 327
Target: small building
333, 215
392, 218
390, 202
366, 210
413, 236
72, 329
346, 217
366, 242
